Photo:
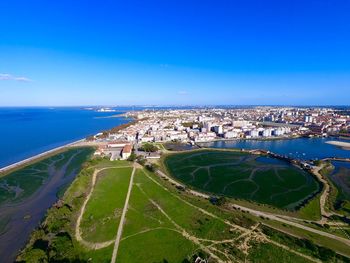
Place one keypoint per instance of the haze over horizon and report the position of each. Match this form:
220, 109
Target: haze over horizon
174, 53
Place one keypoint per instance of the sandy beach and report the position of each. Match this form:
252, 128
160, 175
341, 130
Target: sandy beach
345, 145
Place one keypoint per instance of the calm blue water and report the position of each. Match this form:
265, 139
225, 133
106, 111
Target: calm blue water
301, 148
25, 132
269, 160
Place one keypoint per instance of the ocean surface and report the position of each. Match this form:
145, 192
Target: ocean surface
25, 132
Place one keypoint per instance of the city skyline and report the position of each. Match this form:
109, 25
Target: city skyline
197, 53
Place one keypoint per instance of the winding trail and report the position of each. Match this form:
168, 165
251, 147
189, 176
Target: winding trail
246, 234
325, 192
78, 233
283, 220
324, 195
264, 214
122, 219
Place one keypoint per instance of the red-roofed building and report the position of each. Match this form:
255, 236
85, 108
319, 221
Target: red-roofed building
126, 152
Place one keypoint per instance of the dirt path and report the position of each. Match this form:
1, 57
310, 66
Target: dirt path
295, 252
122, 219
324, 195
242, 241
184, 233
78, 233
285, 221
266, 214
325, 192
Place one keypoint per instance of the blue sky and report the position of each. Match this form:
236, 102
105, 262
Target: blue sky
174, 52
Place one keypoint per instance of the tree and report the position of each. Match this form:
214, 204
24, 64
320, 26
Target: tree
219, 201
317, 162
148, 147
35, 256
132, 157
152, 167
141, 160
61, 248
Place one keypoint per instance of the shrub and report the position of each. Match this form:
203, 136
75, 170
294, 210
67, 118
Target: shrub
132, 157
152, 167
141, 160
148, 147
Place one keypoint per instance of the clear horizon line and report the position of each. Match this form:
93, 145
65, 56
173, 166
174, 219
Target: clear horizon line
174, 105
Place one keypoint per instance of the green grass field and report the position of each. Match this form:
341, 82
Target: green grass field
243, 176
265, 252
147, 229
163, 224
22, 183
152, 228
311, 210
102, 213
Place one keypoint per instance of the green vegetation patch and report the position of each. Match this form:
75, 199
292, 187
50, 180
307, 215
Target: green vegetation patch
312, 210
54, 240
149, 147
243, 176
104, 208
267, 252
340, 184
304, 246
157, 220
163, 224
22, 183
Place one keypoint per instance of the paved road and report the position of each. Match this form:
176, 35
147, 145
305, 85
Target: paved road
122, 219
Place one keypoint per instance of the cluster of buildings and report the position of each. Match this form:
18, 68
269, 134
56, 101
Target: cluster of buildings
114, 150
203, 125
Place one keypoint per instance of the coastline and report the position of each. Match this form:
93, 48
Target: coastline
36, 157
83, 143
113, 116
79, 143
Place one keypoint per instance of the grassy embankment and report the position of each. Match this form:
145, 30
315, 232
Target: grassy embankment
102, 214
54, 240
162, 223
338, 199
242, 176
21, 183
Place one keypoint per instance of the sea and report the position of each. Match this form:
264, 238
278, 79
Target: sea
26, 132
